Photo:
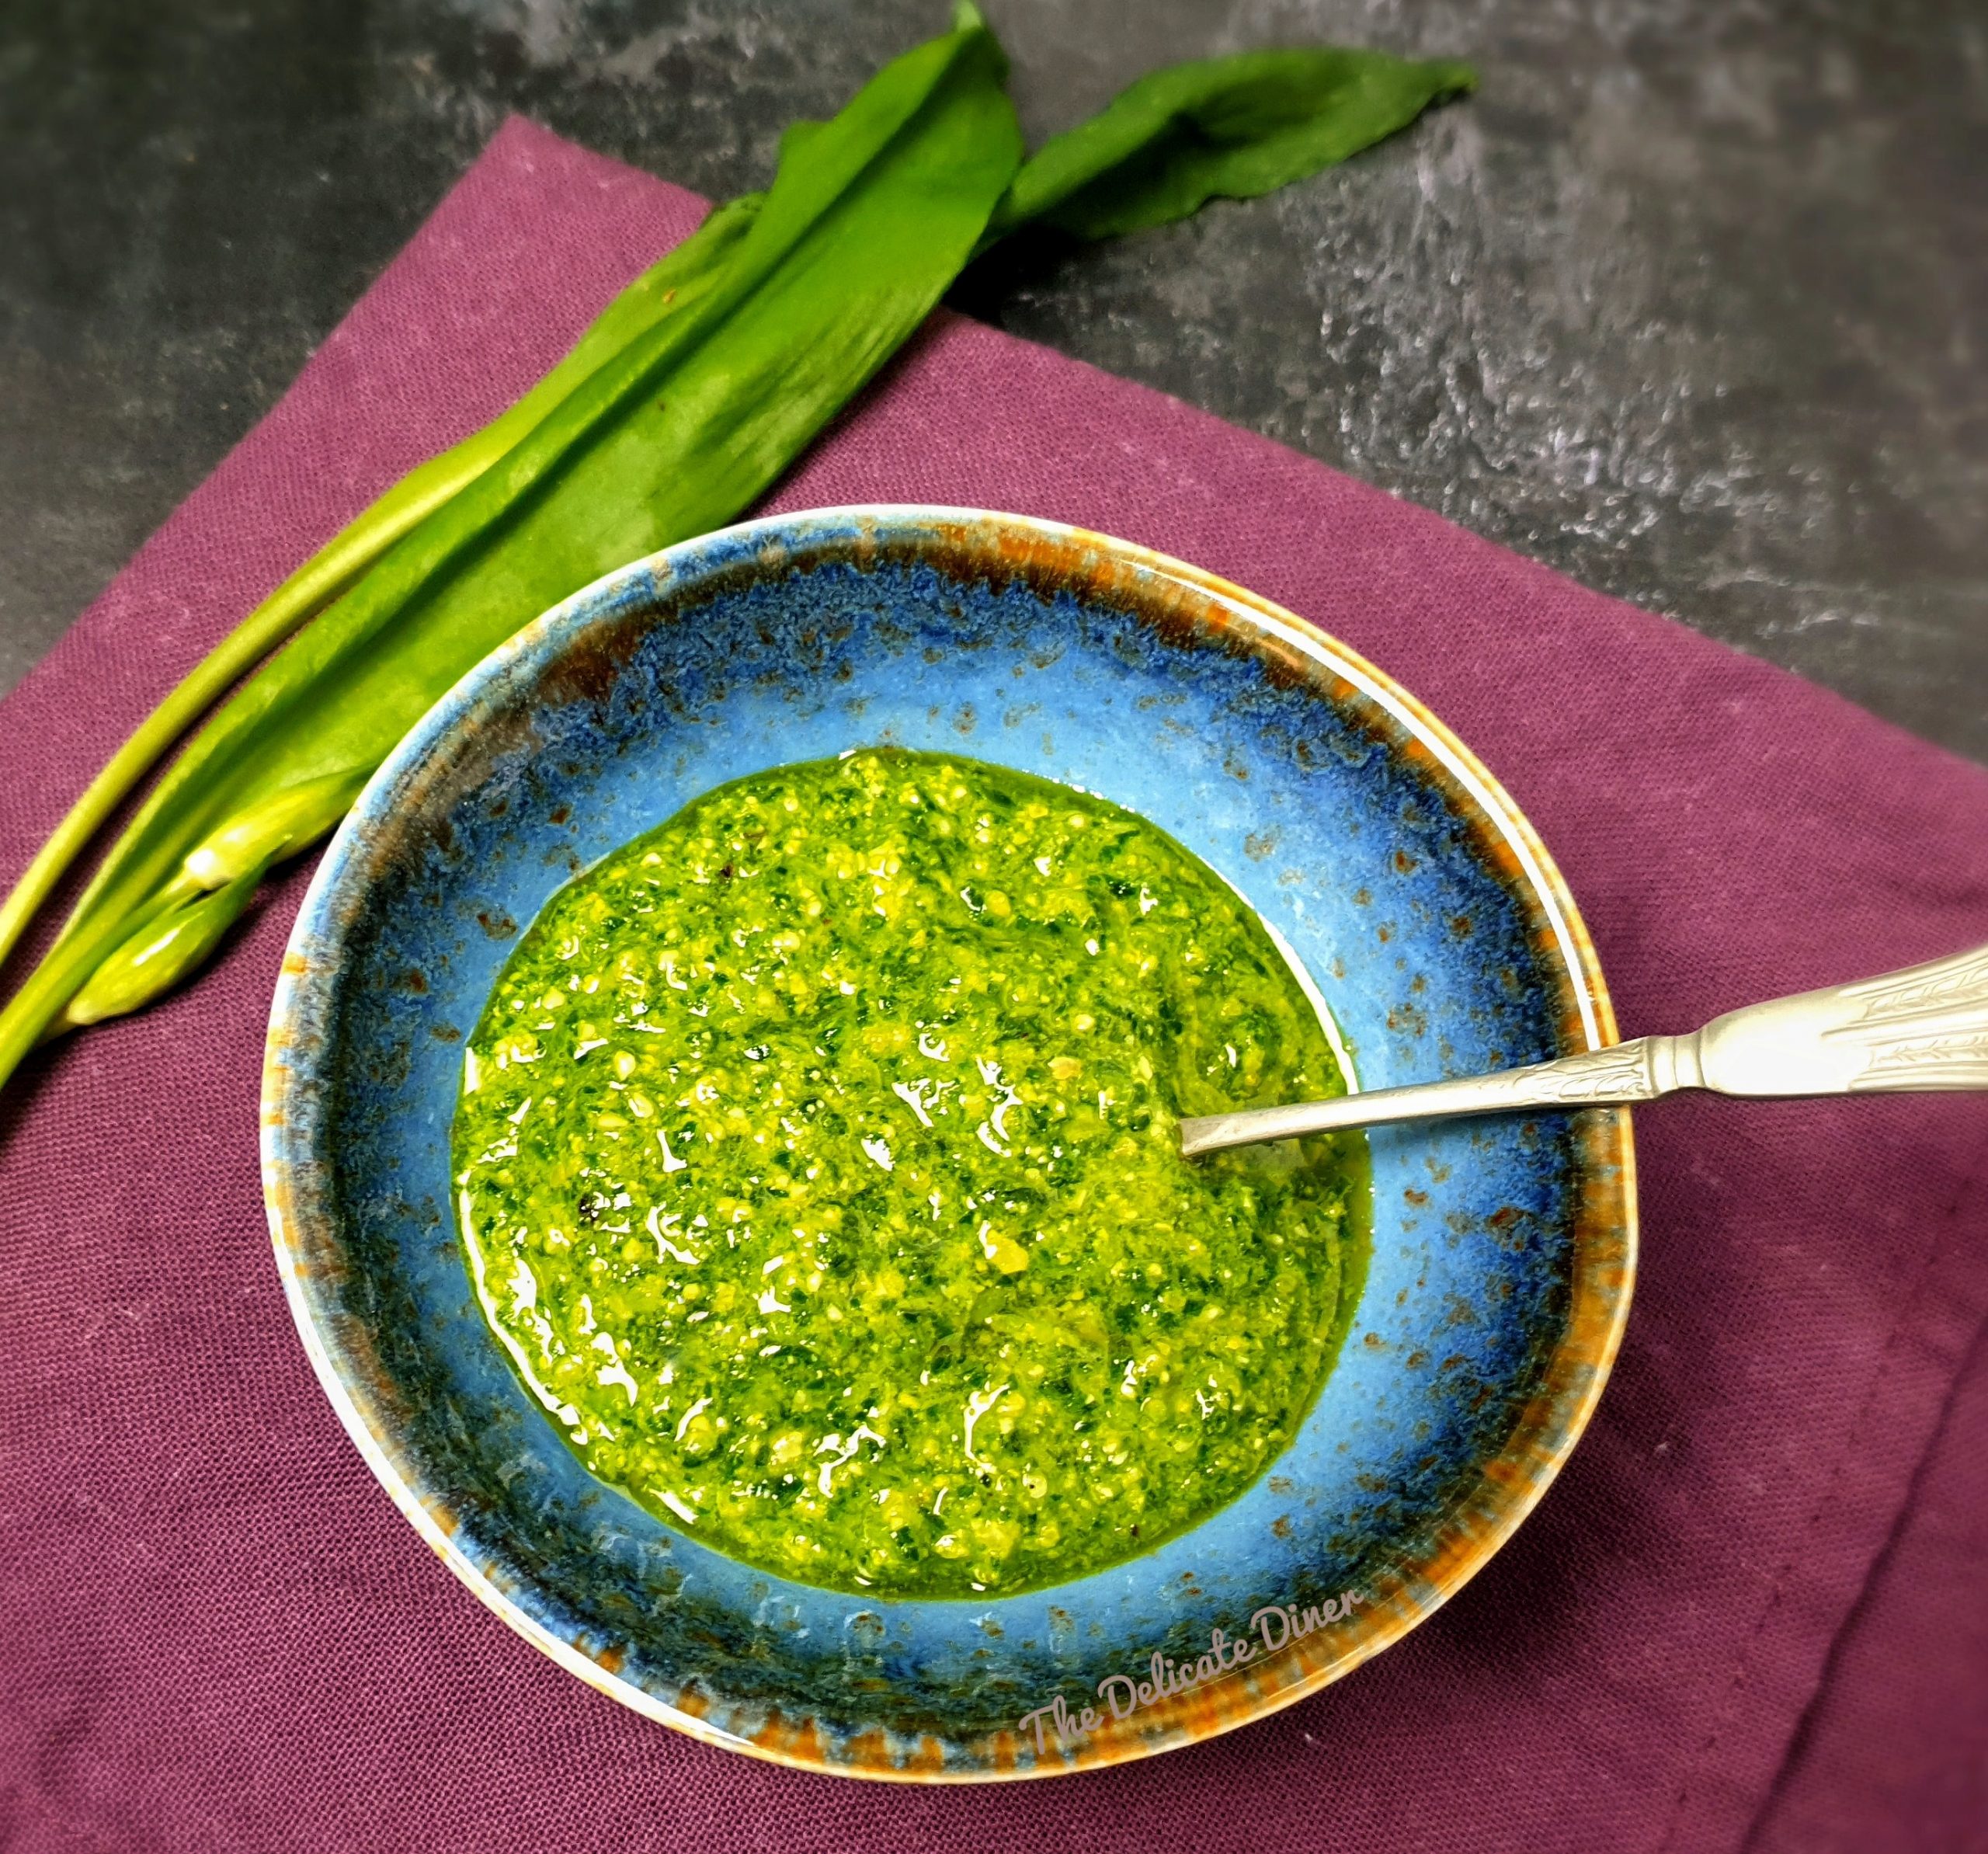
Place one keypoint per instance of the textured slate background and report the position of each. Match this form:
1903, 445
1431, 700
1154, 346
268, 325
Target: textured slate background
1686, 303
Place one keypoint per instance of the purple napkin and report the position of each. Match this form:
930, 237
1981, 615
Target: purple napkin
1750, 1613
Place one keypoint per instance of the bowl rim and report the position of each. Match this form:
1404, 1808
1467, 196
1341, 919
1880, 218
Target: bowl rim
1516, 1479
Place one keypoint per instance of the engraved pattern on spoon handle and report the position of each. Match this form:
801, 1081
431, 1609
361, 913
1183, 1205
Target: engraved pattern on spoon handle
1924, 1028
1620, 1073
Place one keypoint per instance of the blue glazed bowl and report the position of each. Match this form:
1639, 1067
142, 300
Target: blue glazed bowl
1403, 878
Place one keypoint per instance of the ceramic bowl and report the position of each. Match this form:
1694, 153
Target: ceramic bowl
1404, 878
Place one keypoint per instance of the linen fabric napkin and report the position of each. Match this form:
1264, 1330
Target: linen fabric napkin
216, 1632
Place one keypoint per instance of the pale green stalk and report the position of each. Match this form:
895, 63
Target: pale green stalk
164, 950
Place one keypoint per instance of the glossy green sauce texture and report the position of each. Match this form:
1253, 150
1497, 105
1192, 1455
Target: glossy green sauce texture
817, 1169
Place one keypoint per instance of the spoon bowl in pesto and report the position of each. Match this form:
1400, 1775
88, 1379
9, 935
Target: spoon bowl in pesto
721, 1135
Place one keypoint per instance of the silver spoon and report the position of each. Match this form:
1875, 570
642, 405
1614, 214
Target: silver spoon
1923, 1028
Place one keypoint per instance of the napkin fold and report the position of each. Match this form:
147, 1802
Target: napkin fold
1751, 1611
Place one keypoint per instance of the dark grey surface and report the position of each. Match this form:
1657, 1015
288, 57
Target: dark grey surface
1686, 302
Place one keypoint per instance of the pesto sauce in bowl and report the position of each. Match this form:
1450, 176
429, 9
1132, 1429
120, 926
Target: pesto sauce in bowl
818, 1172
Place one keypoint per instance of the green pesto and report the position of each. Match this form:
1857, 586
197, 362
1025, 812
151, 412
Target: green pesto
818, 1172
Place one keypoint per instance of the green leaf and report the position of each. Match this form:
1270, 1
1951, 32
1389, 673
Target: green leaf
674, 432
1233, 126
672, 285
684, 402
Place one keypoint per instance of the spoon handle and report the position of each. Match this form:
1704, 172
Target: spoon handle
1923, 1028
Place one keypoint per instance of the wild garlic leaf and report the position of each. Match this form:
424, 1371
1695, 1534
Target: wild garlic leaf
673, 431
1234, 127
684, 400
